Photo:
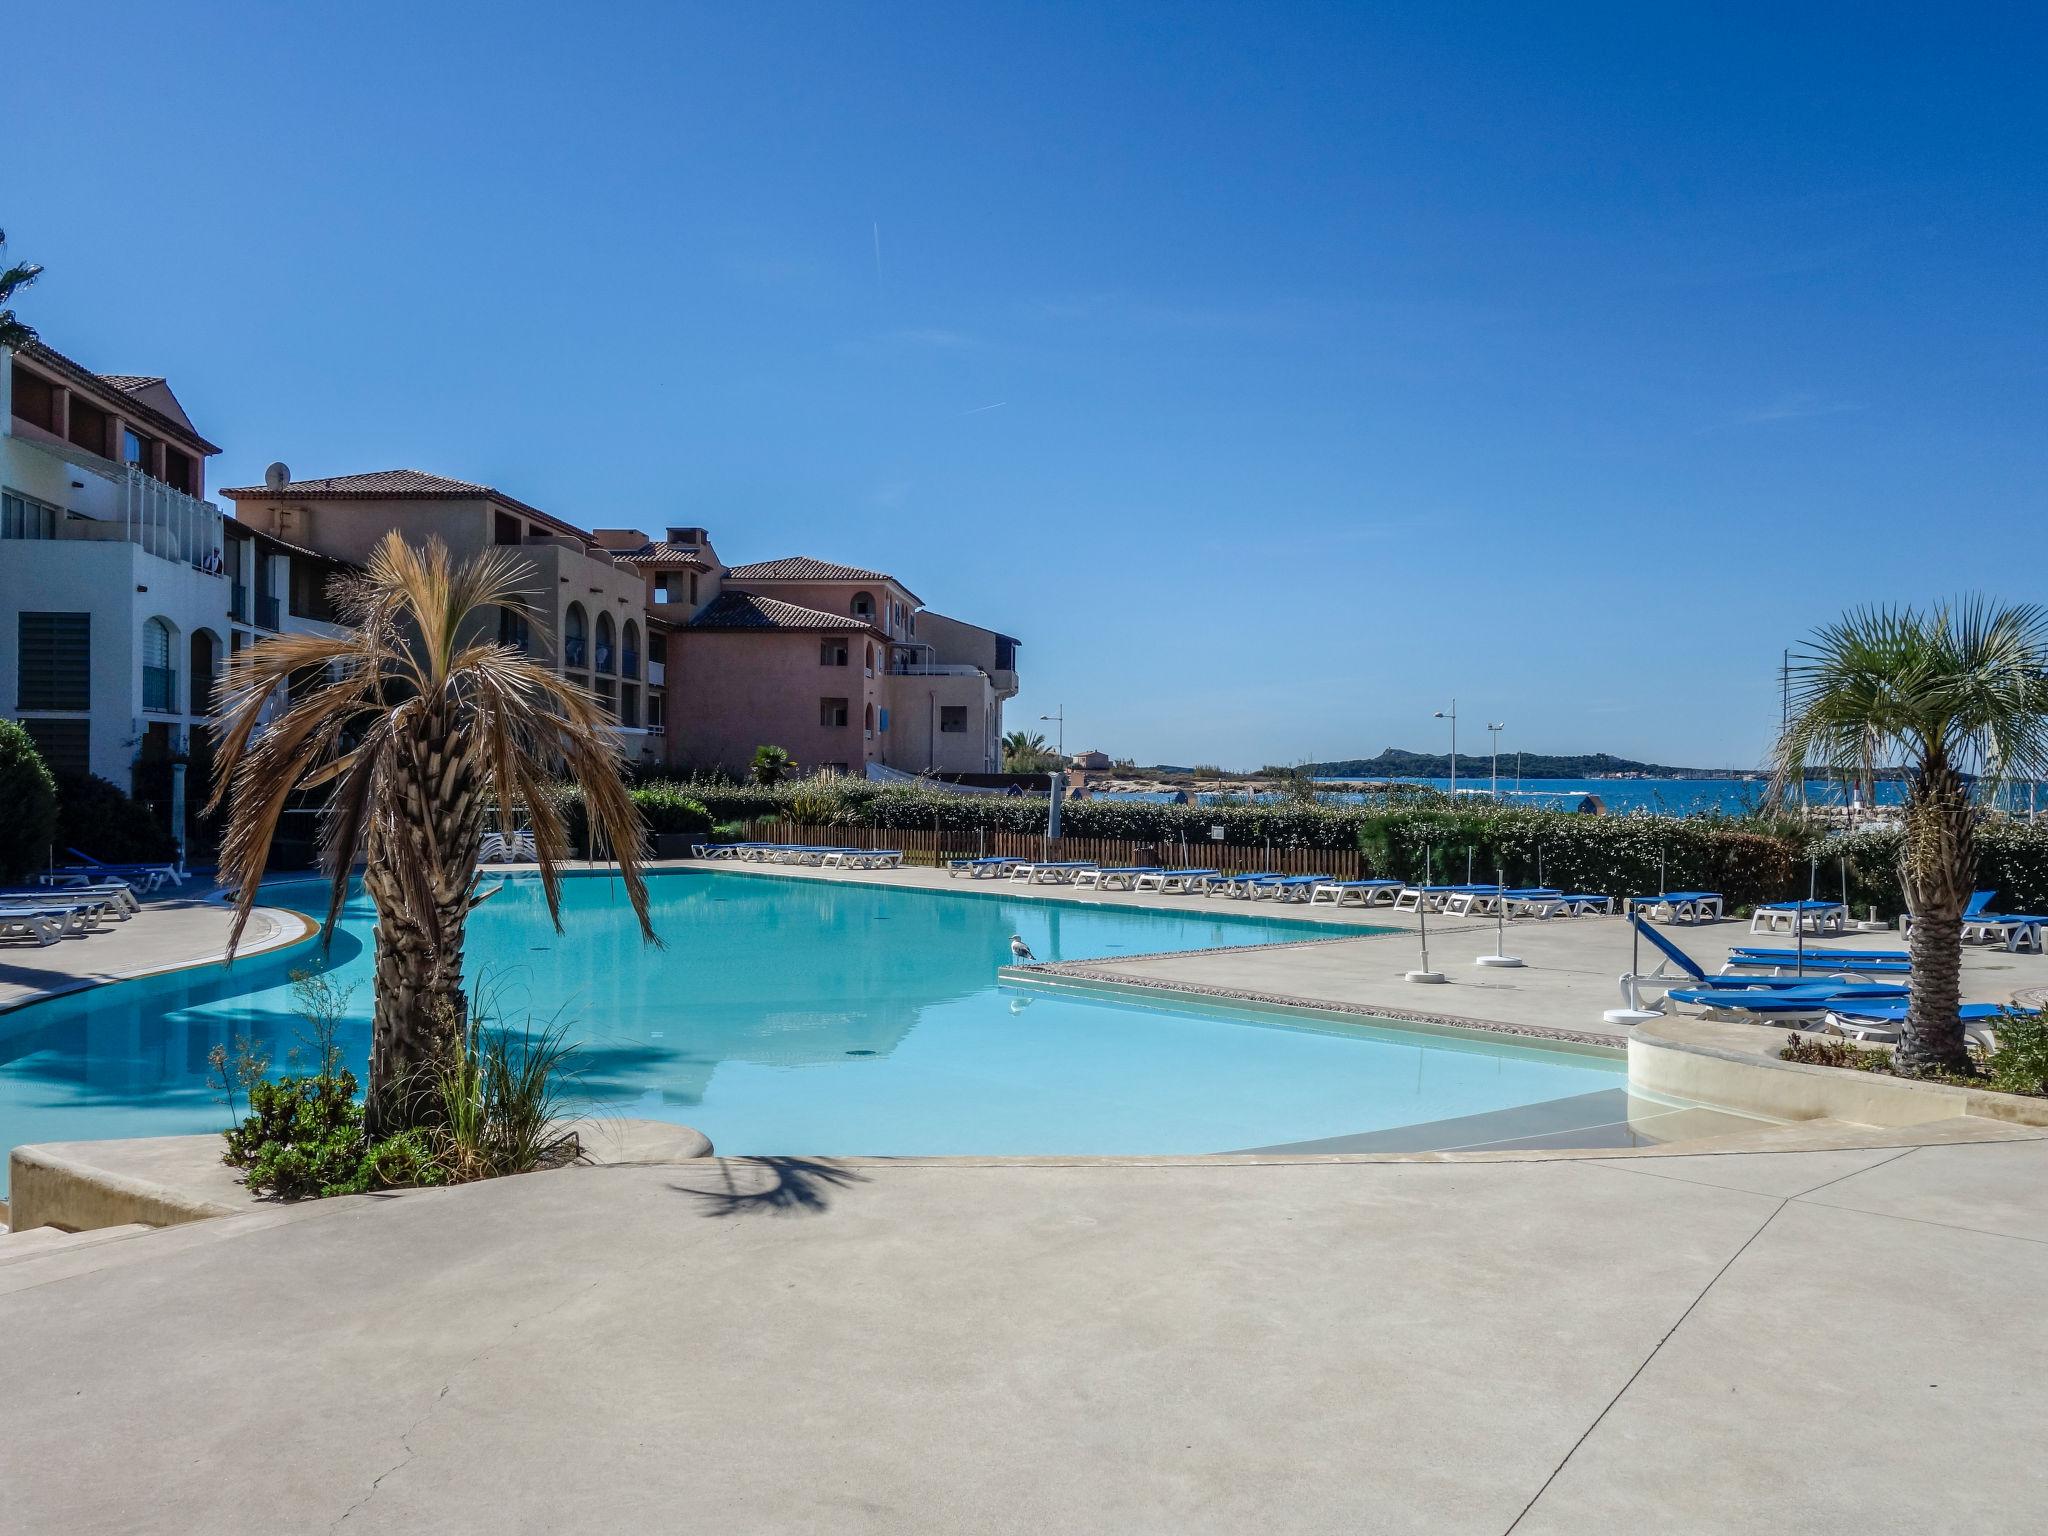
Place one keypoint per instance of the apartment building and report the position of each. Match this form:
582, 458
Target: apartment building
840, 665
594, 628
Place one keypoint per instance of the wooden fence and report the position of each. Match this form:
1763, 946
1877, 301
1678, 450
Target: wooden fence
933, 847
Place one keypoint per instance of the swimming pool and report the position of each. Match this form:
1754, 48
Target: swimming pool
800, 1016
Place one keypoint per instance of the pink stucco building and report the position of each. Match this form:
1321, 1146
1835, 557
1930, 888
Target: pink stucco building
839, 665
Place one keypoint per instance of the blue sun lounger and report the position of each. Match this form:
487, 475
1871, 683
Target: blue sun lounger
1125, 875
1761, 1004
1680, 906
1290, 887
1879, 1022
1367, 892
1690, 970
1175, 881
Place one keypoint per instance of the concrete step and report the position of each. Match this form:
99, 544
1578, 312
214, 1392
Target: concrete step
37, 1241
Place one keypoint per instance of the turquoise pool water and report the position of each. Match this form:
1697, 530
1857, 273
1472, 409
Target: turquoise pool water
802, 1016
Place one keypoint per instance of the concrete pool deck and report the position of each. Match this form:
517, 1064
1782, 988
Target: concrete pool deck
1733, 1343
172, 931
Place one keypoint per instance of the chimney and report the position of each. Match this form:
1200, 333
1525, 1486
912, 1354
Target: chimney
696, 537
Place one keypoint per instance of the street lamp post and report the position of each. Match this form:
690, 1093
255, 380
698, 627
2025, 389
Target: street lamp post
1452, 715
1061, 717
1496, 726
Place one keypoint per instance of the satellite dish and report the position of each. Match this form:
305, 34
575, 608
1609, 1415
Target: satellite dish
277, 477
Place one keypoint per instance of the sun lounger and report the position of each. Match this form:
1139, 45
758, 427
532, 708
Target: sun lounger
1412, 897
1367, 893
996, 865
1880, 1022
1059, 872
1115, 875
1240, 886
1679, 906
1288, 888
118, 897
862, 858
1172, 881
1556, 904
1781, 1004
1675, 965
1831, 962
30, 923
172, 873
1816, 917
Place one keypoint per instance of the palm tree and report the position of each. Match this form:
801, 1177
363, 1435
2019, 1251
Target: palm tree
15, 334
1958, 695
1024, 753
771, 765
416, 727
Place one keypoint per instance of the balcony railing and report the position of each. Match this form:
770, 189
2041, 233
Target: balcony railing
238, 604
575, 652
169, 523
936, 669
160, 689
266, 613
629, 664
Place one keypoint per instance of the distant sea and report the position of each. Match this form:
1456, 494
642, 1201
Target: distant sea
1664, 797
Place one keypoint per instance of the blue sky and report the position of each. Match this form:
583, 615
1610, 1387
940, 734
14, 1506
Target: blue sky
1274, 372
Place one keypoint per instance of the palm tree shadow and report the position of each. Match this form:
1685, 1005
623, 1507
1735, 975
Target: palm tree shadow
782, 1186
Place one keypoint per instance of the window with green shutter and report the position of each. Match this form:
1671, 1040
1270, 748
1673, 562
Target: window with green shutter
56, 661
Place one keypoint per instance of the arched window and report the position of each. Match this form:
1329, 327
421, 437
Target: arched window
629, 651
863, 606
575, 638
607, 654
159, 677
871, 658
870, 722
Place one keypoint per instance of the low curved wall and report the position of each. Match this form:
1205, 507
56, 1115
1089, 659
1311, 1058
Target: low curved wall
1735, 1067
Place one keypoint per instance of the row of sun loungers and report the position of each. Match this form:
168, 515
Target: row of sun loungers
2015, 931
823, 856
70, 902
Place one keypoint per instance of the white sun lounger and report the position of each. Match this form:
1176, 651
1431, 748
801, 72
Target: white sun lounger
1367, 893
1125, 876
1168, 881
1817, 917
1060, 872
863, 858
30, 923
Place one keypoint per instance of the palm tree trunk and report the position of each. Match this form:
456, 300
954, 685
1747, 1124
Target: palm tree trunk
1939, 868
1932, 1038
421, 865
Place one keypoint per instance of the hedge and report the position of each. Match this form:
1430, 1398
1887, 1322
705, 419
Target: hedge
2012, 859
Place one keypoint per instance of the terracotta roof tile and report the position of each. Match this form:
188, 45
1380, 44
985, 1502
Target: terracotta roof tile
129, 383
801, 568
668, 554
743, 610
381, 482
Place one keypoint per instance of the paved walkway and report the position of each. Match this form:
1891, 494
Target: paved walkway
1795, 1342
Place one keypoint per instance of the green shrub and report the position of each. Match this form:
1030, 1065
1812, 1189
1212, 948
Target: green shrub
28, 804
2020, 1064
1825, 1051
666, 808
95, 815
771, 765
303, 1136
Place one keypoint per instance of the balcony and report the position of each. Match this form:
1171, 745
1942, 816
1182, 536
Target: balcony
160, 690
629, 666
937, 669
238, 604
576, 652
266, 612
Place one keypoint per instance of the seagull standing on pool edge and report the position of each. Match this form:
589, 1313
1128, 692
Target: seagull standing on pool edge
1020, 950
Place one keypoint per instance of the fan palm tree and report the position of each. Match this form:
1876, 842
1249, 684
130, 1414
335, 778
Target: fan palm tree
1024, 753
415, 728
1957, 695
14, 334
